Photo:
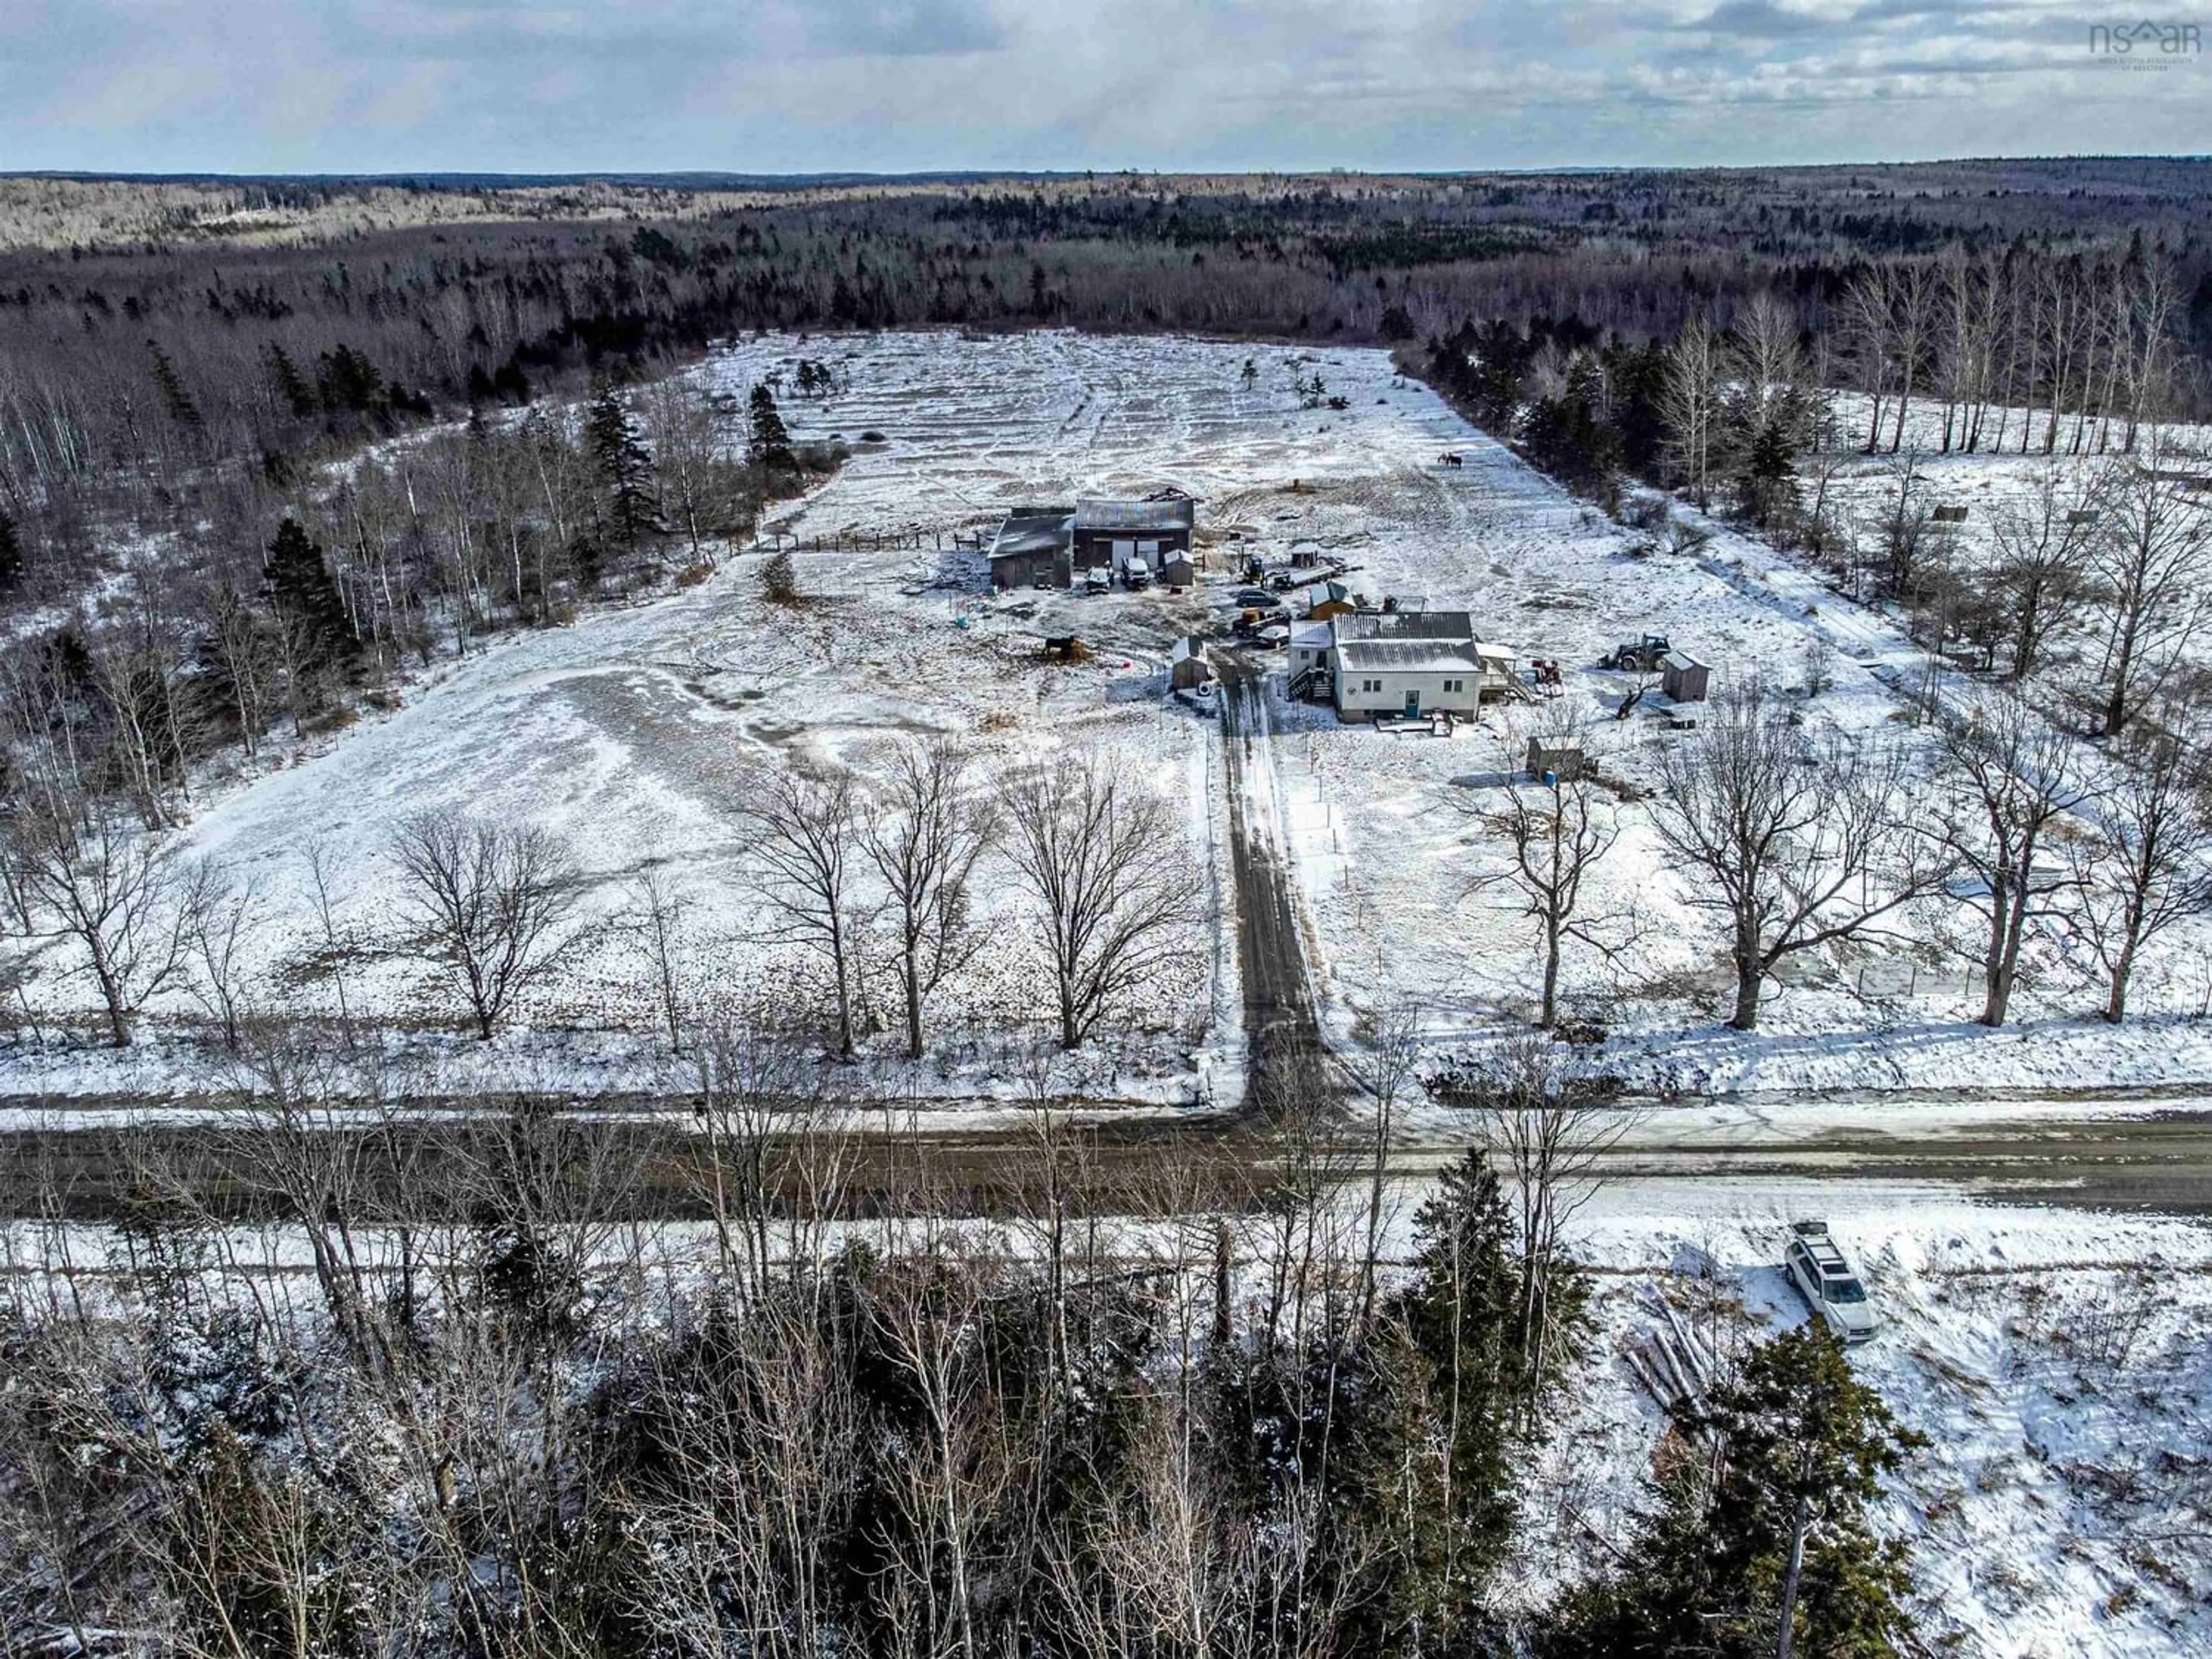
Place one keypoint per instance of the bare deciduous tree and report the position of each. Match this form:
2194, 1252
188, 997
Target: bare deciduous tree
1550, 1129
660, 920
2042, 543
2144, 869
806, 830
924, 841
2014, 777
1111, 874
1798, 846
2153, 560
116, 891
221, 917
703, 487
1690, 404
488, 904
1559, 833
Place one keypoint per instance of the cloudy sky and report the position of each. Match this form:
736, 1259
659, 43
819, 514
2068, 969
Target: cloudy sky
786, 86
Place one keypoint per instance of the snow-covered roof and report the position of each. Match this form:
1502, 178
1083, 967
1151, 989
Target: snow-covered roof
1405, 656
1407, 625
1313, 635
1186, 647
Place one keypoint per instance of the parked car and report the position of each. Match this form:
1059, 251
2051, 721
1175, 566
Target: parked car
1832, 1287
1257, 598
1275, 636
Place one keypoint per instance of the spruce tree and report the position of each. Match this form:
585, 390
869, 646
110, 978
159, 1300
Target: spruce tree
175, 396
11, 555
1462, 1310
291, 386
298, 585
625, 469
771, 442
1788, 1453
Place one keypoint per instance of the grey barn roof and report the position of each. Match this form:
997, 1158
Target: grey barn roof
1032, 530
1094, 513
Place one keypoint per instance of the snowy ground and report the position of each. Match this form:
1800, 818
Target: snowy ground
635, 735
2054, 1360
2053, 1357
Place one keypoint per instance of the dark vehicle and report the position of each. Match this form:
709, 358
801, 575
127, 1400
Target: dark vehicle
1643, 655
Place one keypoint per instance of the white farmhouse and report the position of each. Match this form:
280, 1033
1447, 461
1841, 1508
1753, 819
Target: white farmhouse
1402, 663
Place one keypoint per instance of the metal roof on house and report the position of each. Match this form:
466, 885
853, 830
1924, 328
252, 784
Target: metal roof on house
1414, 656
1186, 647
1406, 625
1094, 513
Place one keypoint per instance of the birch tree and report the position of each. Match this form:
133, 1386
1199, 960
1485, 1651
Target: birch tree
1690, 405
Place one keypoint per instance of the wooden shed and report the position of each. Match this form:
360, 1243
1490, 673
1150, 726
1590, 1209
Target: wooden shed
1562, 758
1683, 678
1186, 664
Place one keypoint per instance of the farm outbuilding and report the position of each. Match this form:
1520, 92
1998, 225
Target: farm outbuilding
1186, 664
1683, 678
1562, 758
1326, 601
1045, 546
1113, 533
1031, 549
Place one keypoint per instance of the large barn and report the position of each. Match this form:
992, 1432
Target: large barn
1046, 546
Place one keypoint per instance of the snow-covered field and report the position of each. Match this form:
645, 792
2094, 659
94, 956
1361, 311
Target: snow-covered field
2054, 1358
636, 734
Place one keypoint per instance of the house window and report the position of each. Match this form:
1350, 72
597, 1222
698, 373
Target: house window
1370, 685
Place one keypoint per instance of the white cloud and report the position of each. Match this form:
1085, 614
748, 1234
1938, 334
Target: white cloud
896, 85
